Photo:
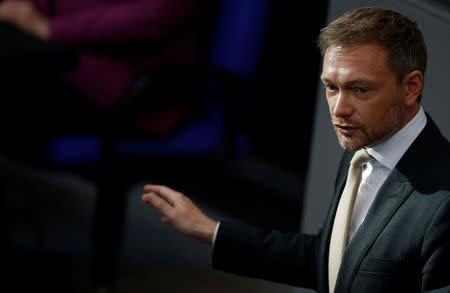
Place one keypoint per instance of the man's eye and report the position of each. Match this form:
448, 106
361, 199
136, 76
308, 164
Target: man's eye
362, 90
331, 87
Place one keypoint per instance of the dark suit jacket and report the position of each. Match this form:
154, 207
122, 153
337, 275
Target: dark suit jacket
403, 245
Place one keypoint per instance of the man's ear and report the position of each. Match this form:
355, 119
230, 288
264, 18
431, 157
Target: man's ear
412, 85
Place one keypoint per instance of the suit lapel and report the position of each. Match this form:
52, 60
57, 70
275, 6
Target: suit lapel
390, 197
328, 225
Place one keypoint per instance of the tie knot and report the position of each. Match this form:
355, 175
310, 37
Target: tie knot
361, 157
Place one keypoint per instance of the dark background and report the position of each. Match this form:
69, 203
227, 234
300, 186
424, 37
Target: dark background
51, 213
265, 188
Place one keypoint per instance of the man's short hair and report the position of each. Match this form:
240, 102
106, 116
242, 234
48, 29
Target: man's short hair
399, 35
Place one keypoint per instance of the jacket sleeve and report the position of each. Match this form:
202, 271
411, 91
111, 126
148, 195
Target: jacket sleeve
120, 21
436, 252
289, 258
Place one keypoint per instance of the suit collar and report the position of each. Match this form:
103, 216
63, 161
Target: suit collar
328, 225
390, 151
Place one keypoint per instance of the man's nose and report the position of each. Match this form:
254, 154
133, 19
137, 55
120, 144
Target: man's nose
343, 106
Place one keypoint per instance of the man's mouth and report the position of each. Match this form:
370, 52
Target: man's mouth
345, 129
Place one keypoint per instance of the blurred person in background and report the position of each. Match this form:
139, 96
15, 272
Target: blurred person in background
116, 42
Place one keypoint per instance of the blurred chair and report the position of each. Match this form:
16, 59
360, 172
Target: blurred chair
207, 143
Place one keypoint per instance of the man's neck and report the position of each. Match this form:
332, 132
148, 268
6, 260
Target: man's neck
392, 149
410, 114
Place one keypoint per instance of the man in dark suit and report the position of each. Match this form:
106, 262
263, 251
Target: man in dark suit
397, 236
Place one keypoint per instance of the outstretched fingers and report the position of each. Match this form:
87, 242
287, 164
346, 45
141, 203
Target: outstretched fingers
168, 194
158, 202
180, 212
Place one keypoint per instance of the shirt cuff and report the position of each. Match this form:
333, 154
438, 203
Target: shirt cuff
215, 234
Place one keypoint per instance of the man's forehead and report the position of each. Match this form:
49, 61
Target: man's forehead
367, 52
353, 64
342, 74
334, 49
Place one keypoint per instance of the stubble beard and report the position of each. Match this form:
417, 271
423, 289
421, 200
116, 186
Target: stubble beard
364, 139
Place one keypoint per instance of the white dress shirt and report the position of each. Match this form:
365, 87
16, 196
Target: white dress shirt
386, 154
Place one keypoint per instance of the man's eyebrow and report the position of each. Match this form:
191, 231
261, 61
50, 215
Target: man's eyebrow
358, 80
348, 83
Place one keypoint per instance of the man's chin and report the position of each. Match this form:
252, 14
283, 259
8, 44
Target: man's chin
350, 144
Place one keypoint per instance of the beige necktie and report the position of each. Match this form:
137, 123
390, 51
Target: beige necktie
339, 234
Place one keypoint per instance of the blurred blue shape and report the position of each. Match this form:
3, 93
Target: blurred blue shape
237, 42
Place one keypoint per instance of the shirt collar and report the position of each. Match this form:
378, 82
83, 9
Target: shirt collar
390, 151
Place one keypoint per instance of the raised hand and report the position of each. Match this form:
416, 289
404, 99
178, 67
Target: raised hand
180, 212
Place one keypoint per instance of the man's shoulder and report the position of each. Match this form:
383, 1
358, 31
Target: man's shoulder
435, 143
428, 159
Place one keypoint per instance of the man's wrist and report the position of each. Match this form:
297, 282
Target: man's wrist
204, 231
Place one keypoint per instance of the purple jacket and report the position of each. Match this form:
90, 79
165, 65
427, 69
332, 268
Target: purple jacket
86, 23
